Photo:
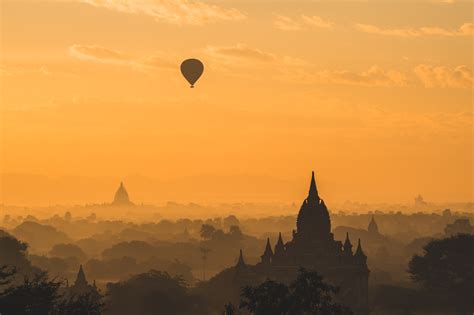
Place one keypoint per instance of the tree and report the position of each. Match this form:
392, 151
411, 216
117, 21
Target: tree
207, 231
89, 303
307, 295
6, 274
447, 265
228, 309
154, 292
235, 232
67, 250
269, 298
13, 252
41, 296
38, 295
231, 220
311, 295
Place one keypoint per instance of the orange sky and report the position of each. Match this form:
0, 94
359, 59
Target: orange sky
374, 96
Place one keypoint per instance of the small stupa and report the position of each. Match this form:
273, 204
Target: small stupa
121, 197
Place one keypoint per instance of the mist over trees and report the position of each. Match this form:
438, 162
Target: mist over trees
126, 260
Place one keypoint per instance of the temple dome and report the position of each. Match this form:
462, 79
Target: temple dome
121, 196
373, 228
313, 218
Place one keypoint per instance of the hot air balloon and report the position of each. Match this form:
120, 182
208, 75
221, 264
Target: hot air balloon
192, 70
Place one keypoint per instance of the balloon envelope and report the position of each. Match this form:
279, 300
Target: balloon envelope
192, 70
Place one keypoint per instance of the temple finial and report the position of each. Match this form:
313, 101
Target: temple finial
240, 262
268, 249
280, 239
313, 191
347, 245
359, 252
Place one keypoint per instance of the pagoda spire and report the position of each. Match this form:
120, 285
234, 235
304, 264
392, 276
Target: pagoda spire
240, 262
347, 245
313, 190
81, 278
268, 253
121, 197
280, 240
279, 247
268, 249
359, 254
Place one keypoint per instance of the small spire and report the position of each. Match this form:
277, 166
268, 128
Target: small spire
348, 241
280, 240
313, 191
81, 278
240, 262
359, 252
347, 245
279, 243
268, 249
279, 247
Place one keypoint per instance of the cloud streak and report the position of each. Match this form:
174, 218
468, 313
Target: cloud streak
374, 76
99, 54
466, 29
304, 22
239, 51
179, 12
445, 77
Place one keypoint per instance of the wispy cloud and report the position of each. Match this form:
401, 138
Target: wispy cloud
304, 22
180, 12
445, 77
239, 51
105, 55
316, 21
42, 70
285, 23
99, 54
465, 29
241, 55
4, 72
296, 70
374, 76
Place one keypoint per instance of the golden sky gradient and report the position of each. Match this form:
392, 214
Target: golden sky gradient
375, 96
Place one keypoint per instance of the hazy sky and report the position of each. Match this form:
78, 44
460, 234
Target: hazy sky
375, 96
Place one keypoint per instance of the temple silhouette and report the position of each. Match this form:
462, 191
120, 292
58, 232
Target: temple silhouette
80, 286
121, 197
313, 247
373, 228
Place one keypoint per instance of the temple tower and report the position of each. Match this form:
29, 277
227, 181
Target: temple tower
373, 228
313, 218
121, 197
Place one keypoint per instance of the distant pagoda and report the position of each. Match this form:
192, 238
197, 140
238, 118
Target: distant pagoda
121, 197
81, 286
373, 228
